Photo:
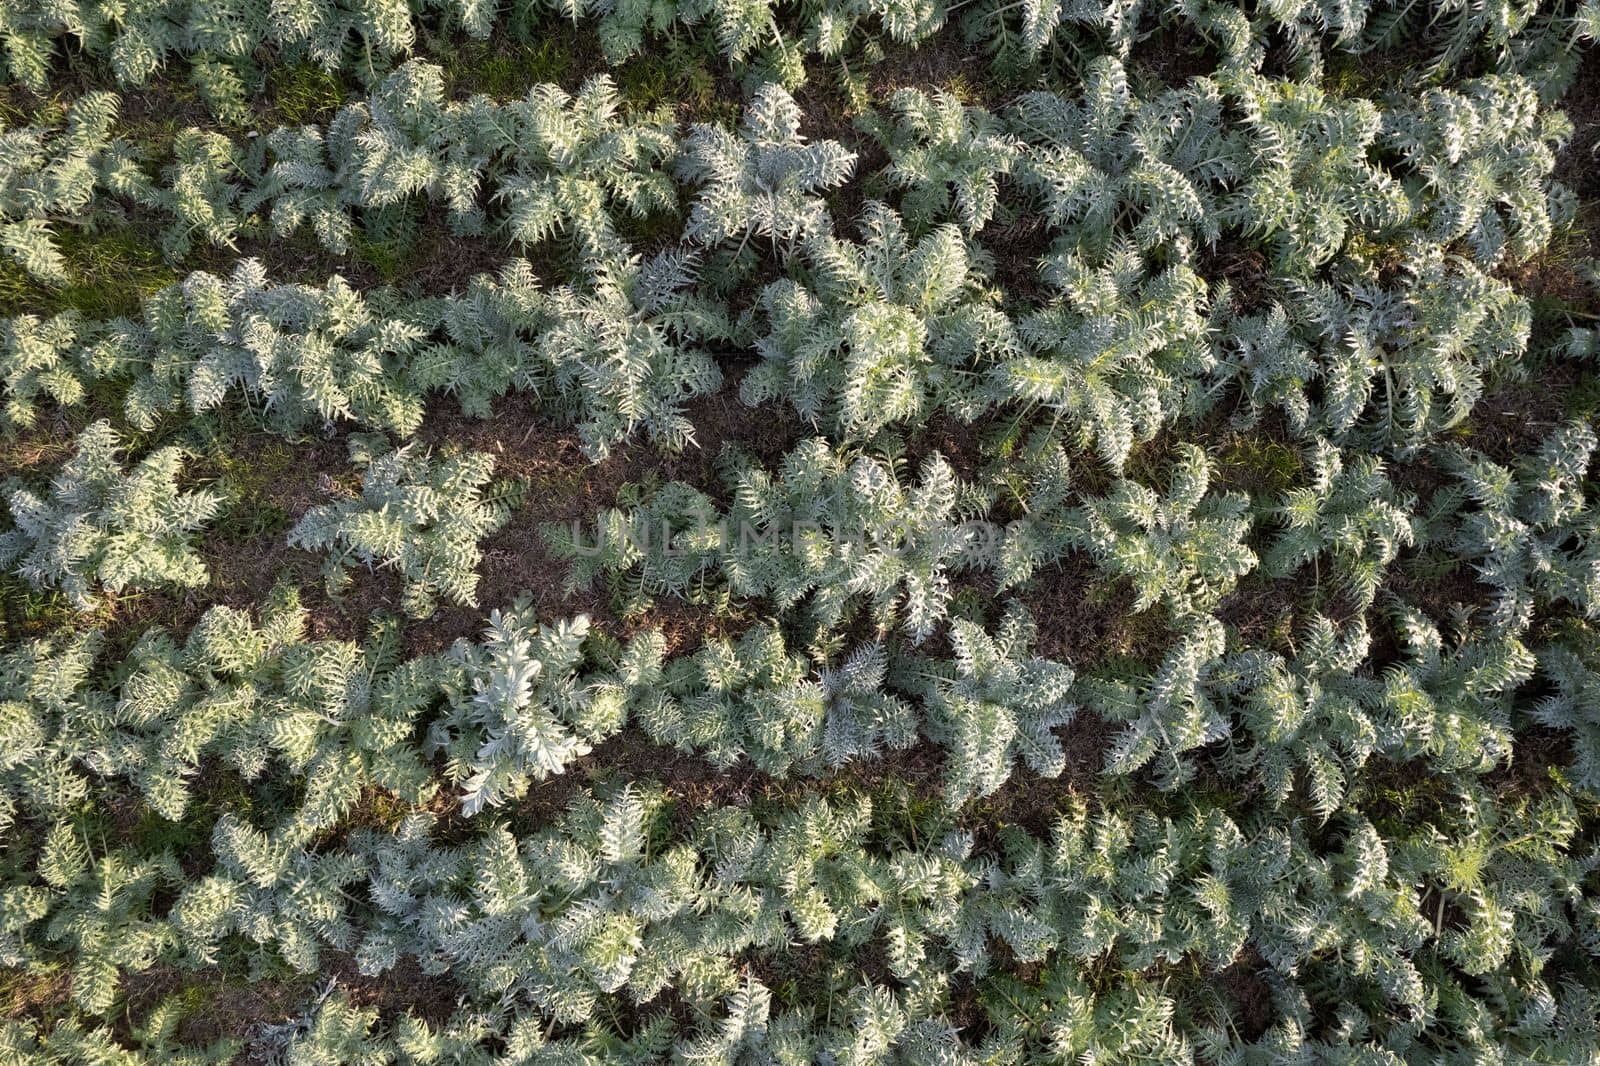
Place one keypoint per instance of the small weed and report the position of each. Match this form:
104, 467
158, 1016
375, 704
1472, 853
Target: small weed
509, 75
680, 80
1258, 465
908, 817
41, 987
390, 238
27, 612
305, 93
506, 71
247, 482
112, 274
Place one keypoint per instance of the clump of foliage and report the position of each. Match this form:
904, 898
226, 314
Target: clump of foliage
102, 529
878, 333
763, 181
424, 518
826, 531
48, 176
1097, 502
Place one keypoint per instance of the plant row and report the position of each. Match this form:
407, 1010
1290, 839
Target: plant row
222, 44
630, 894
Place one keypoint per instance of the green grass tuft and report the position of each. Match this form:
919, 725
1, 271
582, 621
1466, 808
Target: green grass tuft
112, 273
305, 94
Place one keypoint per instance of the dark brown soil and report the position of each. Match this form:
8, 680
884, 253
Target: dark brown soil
697, 786
1242, 986
1177, 55
1536, 755
1511, 421
33, 995
1246, 272
405, 989
223, 1008
1576, 164
1034, 803
1086, 620
219, 1007
1017, 246
944, 62
1260, 609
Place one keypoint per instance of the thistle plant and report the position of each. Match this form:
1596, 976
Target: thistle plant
994, 703
50, 176
945, 158
422, 517
833, 534
881, 332
1349, 511
520, 710
1183, 549
102, 529
39, 357
764, 180
1111, 355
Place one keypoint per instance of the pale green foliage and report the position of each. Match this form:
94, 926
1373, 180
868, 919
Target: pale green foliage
588, 907
258, 698
947, 158
422, 517
1112, 355
620, 898
159, 1039
1574, 704
1350, 512
862, 718
738, 26
879, 333
102, 913
485, 340
1312, 713
38, 357
1482, 156
764, 180
338, 1034
746, 699
271, 889
101, 529
1398, 362
48, 176
1168, 710
44, 689
618, 356
1310, 186
199, 190
1292, 248
1036, 473
1093, 162
556, 163
519, 709
1451, 700
832, 533
575, 161
267, 697
622, 352
1532, 533
832, 27
405, 140
140, 37
299, 354
756, 700
1184, 550
995, 703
